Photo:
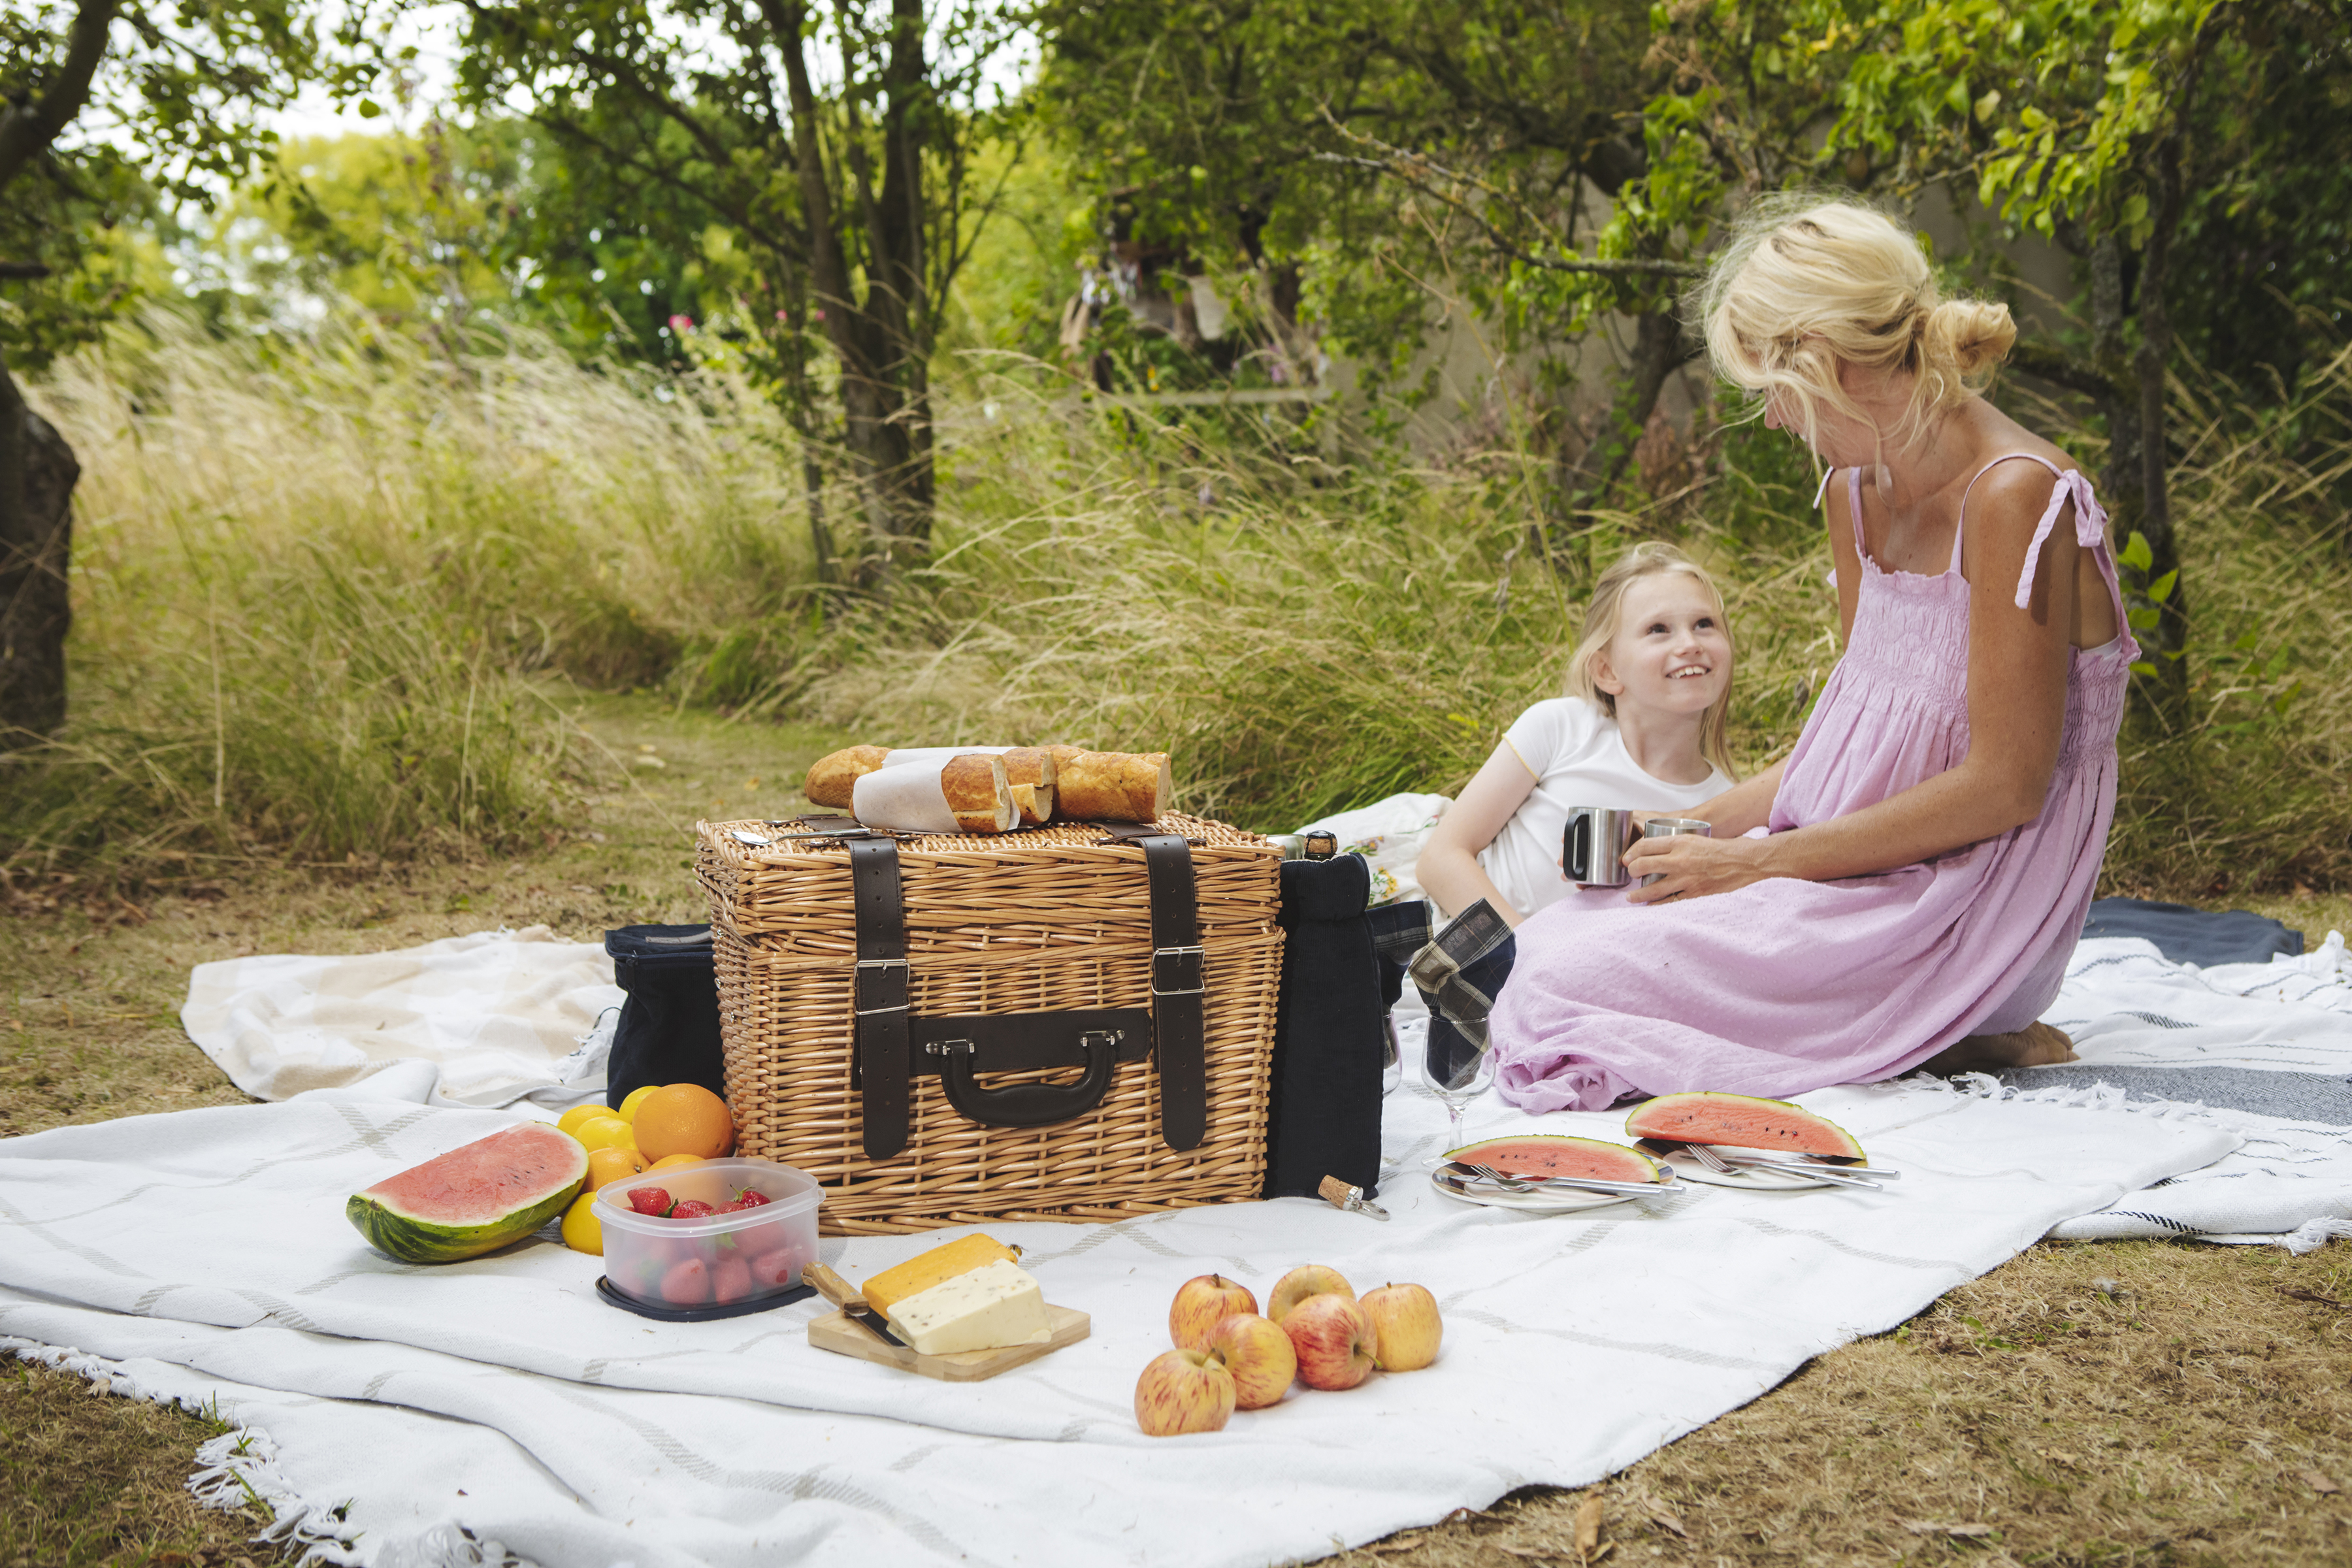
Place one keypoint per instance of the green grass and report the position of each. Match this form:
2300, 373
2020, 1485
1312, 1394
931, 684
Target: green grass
317, 582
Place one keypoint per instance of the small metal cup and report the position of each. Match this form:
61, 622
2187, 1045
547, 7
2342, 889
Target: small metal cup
1592, 849
1668, 827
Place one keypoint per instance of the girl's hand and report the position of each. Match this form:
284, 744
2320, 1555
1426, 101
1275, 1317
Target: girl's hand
1691, 867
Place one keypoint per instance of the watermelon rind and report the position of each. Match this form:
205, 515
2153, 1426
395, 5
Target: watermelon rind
1557, 1154
1743, 1121
491, 1192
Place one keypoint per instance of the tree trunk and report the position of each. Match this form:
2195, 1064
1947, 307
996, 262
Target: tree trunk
37, 472
1657, 349
2168, 640
885, 431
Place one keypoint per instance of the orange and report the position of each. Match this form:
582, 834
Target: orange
684, 1118
611, 1165
674, 1162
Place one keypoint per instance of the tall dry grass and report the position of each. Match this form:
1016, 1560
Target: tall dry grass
378, 551
313, 581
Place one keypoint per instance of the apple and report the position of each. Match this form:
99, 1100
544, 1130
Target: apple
1258, 1353
1184, 1391
1307, 1279
1405, 1323
1335, 1341
1201, 1305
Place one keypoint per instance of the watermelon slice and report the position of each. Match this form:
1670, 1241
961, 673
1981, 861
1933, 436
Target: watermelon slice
473, 1200
1744, 1122
1556, 1155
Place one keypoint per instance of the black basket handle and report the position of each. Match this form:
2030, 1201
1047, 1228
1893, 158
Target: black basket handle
1028, 1104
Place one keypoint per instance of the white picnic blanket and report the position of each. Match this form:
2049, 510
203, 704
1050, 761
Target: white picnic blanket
2129, 1008
480, 1020
470, 1411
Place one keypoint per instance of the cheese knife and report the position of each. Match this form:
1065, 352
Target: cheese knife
838, 1291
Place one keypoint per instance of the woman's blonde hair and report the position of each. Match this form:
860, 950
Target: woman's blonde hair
1602, 615
1808, 281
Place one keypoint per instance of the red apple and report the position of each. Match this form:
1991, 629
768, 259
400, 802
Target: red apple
1184, 1391
1307, 1279
1201, 1304
1336, 1343
1258, 1353
1405, 1320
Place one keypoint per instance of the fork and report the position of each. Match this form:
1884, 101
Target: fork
1511, 1184
1723, 1167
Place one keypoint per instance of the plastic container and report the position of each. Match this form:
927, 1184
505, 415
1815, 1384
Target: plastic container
720, 1259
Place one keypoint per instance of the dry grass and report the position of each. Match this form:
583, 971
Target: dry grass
2172, 1425
91, 1480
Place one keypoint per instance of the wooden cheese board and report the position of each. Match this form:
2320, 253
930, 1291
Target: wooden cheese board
836, 1331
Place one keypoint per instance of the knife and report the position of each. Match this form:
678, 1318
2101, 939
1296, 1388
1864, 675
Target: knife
837, 1291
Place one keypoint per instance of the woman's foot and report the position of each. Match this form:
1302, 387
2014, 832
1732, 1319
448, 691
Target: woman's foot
2035, 1046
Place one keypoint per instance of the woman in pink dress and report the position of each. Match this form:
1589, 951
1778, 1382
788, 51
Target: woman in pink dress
1905, 887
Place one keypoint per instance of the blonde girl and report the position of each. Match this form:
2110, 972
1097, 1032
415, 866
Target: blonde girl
1641, 727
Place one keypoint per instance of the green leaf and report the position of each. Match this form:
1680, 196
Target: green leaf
369, 108
2141, 667
1988, 106
2137, 554
2161, 589
2143, 618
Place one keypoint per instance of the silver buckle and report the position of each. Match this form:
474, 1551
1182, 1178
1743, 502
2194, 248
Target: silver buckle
1193, 953
865, 963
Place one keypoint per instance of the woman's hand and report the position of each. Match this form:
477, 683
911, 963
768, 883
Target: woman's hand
1692, 866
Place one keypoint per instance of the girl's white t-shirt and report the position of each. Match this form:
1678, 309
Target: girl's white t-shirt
1577, 759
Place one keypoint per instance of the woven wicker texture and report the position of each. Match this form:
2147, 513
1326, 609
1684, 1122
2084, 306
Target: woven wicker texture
1050, 919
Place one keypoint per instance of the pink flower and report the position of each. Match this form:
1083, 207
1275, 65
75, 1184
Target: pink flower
681, 323
820, 312
781, 317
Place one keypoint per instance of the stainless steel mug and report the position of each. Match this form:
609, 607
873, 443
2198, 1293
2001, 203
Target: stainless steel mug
1593, 849
1668, 827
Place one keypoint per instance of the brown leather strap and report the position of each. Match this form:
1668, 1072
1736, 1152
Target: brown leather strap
879, 996
1179, 982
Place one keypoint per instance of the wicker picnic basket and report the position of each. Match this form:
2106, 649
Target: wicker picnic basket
1021, 956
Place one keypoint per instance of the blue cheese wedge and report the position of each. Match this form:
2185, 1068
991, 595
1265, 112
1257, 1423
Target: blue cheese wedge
987, 1308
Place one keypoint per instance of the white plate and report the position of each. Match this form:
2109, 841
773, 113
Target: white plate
1561, 1200
1686, 1166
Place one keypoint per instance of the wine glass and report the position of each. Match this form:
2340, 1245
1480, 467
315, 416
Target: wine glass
1459, 1069
1392, 1054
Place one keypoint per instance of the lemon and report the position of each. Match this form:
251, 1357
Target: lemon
673, 1162
612, 1165
628, 1111
570, 1120
605, 1132
582, 1231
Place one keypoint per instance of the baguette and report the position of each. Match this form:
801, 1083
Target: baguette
833, 780
963, 794
978, 793
1030, 771
1109, 786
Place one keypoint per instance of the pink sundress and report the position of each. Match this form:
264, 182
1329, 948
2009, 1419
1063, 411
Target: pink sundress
1784, 985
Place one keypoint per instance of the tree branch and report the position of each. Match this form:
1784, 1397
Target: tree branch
2054, 365
1627, 266
15, 269
27, 130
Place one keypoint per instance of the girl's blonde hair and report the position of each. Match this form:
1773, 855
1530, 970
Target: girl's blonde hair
1807, 282
1602, 618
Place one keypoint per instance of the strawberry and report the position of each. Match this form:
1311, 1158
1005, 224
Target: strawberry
728, 1207
773, 1270
749, 1198
692, 1208
654, 1200
687, 1284
731, 1280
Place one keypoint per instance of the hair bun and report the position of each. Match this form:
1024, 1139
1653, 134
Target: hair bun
1968, 337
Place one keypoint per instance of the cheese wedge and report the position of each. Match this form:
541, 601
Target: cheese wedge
926, 1269
990, 1307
